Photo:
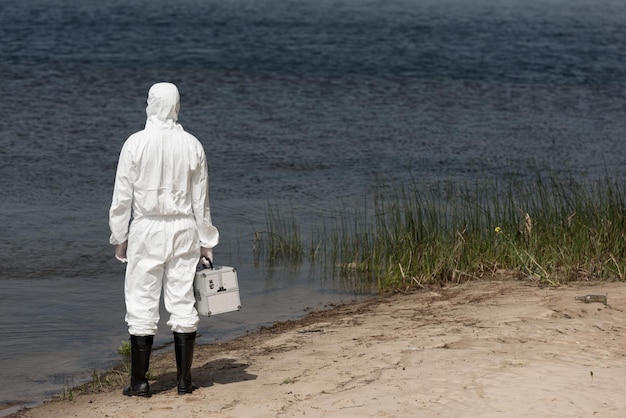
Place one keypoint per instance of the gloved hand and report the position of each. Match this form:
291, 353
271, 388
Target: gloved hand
120, 251
206, 255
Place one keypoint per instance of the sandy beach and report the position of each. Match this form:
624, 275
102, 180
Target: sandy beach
481, 349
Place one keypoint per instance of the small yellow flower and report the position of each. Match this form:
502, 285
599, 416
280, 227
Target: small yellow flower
498, 229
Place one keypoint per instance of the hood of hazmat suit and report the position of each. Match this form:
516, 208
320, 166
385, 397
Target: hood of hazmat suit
162, 172
163, 103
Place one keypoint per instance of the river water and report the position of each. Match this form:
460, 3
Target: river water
302, 104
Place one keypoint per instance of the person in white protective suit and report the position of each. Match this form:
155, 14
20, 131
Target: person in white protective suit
161, 225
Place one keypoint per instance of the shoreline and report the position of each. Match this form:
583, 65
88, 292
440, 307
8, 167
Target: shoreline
163, 355
482, 348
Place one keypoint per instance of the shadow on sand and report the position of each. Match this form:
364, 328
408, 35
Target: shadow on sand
222, 371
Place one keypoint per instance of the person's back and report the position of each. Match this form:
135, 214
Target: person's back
165, 160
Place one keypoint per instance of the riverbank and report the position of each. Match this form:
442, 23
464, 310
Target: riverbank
480, 349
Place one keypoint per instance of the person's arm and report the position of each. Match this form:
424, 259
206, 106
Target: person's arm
121, 204
209, 235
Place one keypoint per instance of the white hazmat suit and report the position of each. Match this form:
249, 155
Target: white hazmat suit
160, 208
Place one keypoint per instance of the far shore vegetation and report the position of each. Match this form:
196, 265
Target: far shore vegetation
548, 230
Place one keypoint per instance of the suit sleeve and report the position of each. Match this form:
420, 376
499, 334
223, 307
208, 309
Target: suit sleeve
209, 235
121, 205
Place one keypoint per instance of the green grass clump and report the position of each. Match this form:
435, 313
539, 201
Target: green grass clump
547, 230
102, 382
124, 350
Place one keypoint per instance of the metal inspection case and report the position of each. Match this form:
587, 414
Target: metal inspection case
216, 290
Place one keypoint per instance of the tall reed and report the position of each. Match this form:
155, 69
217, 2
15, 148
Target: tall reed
549, 230
281, 241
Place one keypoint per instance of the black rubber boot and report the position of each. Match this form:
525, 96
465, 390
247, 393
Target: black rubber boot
140, 347
183, 345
